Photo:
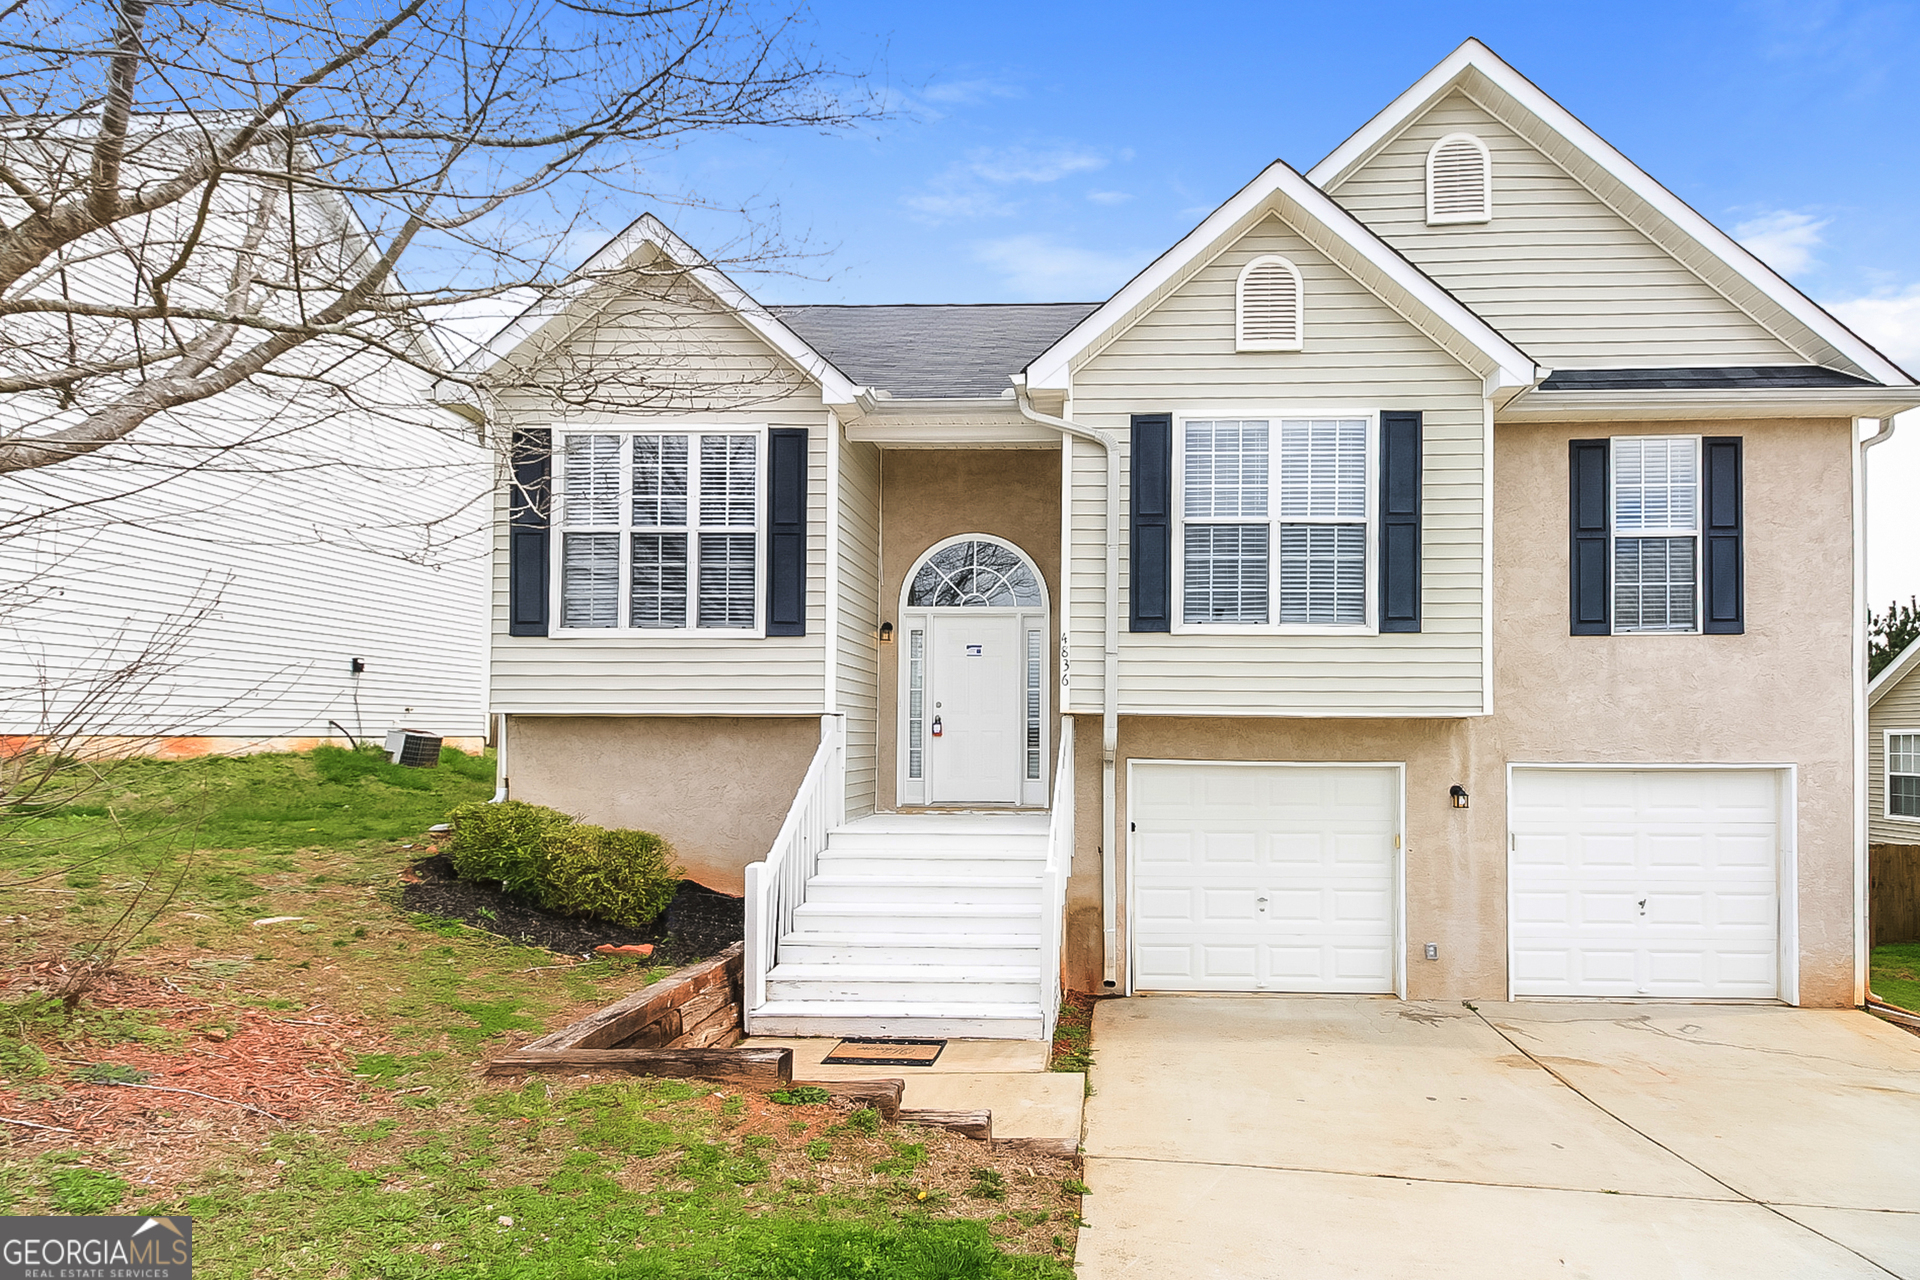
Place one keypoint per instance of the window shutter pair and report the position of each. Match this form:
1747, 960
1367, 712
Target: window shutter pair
1150, 541
1722, 556
529, 520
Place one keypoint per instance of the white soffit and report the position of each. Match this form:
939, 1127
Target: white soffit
1649, 203
1333, 231
647, 230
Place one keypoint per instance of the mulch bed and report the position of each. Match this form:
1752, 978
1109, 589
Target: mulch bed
697, 923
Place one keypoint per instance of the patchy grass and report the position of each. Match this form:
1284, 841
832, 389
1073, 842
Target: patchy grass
348, 1132
1896, 974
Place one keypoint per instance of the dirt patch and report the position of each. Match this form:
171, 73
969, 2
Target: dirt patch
696, 924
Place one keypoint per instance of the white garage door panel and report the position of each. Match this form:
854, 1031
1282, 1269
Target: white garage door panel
1646, 883
1263, 877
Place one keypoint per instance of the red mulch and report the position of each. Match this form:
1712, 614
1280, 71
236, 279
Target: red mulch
291, 1066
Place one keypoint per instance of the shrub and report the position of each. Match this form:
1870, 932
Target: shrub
627, 877
503, 842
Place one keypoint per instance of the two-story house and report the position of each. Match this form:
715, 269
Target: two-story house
1437, 574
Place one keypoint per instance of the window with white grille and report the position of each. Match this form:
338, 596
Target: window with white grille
660, 531
1251, 487
1268, 307
1459, 180
1903, 775
1656, 533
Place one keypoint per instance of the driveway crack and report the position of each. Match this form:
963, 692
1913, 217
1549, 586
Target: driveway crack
1624, 1123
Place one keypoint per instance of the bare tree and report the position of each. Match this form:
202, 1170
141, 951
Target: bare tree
260, 201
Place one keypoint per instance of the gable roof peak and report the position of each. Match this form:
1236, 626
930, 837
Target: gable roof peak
1658, 213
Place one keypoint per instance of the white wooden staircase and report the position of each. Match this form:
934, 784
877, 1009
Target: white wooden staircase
917, 924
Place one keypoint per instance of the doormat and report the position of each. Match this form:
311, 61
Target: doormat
873, 1051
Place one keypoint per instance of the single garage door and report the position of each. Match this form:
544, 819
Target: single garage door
1263, 877
1656, 882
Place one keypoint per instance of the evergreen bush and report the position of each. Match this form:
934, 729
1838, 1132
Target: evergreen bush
503, 842
627, 877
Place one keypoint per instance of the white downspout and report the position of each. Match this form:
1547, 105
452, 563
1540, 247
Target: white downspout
1109, 675
1862, 940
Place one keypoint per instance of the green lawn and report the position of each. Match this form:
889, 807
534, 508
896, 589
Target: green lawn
1896, 974
417, 1166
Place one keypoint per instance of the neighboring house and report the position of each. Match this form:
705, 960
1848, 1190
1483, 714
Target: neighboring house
1893, 752
1433, 575
177, 595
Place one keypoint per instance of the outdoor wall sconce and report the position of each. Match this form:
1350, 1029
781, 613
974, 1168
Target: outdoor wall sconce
886, 633
1459, 794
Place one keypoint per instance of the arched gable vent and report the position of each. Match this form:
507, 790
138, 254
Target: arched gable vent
1459, 180
1267, 306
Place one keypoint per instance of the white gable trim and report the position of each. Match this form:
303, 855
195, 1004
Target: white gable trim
647, 230
1476, 57
1894, 672
1507, 365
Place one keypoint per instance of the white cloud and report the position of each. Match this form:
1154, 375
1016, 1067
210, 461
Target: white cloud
962, 92
1889, 322
1783, 240
1109, 197
974, 187
1041, 268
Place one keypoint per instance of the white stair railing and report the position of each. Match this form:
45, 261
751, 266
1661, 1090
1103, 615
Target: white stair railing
778, 885
1053, 880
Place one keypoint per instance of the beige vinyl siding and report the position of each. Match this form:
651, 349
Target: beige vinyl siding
686, 360
1557, 271
1359, 355
856, 645
1898, 711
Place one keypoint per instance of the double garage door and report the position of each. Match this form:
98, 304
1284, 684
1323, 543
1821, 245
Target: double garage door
1623, 882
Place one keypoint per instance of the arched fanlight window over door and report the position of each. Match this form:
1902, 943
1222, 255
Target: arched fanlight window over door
974, 574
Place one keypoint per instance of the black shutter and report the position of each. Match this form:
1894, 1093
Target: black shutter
1723, 565
787, 531
529, 499
1150, 544
1400, 521
1591, 573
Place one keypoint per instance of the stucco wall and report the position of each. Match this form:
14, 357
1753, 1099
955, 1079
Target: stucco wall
1780, 694
927, 495
717, 787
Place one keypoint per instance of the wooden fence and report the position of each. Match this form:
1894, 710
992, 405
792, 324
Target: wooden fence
1893, 892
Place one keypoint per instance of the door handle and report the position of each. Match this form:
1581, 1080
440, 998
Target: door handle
936, 730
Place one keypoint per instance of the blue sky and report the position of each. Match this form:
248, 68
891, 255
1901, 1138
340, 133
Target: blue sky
1049, 152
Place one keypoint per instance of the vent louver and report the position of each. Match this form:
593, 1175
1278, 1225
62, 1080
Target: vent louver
1269, 306
1459, 180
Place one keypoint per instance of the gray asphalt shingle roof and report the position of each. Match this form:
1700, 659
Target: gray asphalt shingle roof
1733, 378
938, 351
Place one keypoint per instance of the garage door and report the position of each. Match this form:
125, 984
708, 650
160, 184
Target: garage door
1646, 883
1263, 877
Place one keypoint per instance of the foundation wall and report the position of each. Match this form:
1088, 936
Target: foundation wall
716, 787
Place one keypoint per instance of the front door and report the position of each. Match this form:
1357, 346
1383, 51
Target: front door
973, 714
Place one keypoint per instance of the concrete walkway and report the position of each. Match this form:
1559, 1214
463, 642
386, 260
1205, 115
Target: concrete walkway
1319, 1136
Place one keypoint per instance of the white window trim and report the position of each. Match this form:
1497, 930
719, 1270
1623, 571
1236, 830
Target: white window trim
1240, 340
1486, 170
1179, 539
1886, 775
1697, 533
557, 542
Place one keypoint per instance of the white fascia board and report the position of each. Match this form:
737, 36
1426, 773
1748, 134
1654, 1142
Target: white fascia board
1051, 369
1593, 406
835, 387
1473, 56
1895, 672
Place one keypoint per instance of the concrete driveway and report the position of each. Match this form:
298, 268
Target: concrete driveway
1311, 1136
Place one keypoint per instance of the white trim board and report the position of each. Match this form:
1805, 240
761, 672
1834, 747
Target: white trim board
1473, 59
